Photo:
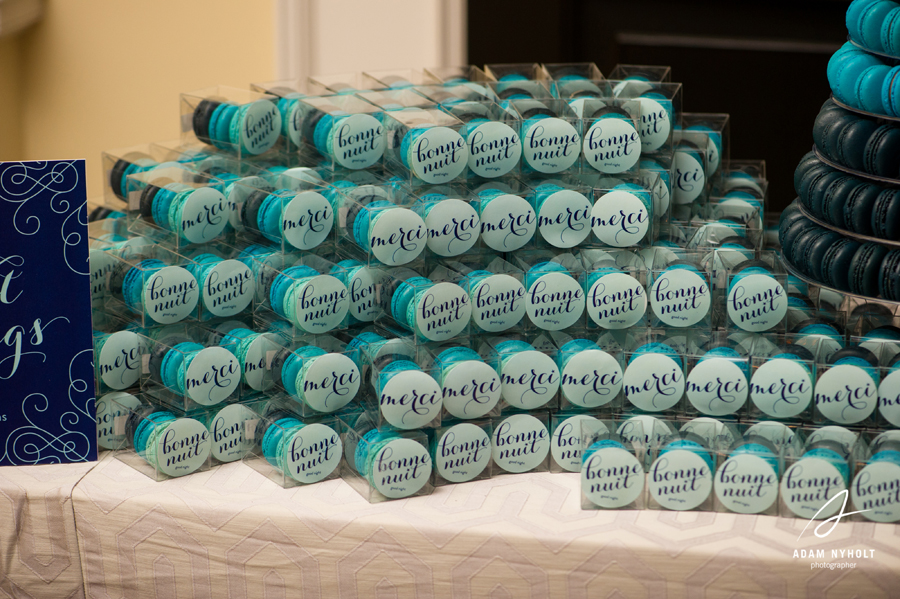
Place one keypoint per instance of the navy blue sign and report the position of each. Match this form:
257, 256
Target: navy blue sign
46, 358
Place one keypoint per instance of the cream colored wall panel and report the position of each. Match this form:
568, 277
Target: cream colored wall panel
103, 74
354, 35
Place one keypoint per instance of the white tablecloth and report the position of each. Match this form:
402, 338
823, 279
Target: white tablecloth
38, 546
231, 532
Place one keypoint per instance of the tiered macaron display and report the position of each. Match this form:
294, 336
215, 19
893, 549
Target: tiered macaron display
844, 228
418, 278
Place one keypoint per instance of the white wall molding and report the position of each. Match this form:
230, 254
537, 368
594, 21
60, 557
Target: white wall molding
294, 39
307, 34
454, 34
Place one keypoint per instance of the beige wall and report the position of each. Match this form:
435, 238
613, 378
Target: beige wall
101, 74
95, 75
10, 117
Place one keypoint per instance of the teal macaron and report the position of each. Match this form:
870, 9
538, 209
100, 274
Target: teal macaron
133, 284
147, 425
656, 347
283, 283
572, 348
268, 219
406, 146
890, 92
220, 125
890, 32
637, 191
871, 19
173, 364
233, 338
849, 70
176, 211
234, 130
295, 365
366, 219
844, 51
693, 447
852, 18
539, 270
868, 88
274, 438
404, 295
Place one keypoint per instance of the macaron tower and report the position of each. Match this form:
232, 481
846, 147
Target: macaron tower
847, 214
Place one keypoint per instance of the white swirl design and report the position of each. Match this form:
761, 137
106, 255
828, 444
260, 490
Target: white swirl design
21, 182
31, 444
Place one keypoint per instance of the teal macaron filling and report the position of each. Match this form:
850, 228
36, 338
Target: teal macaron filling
133, 283
540, 269
693, 447
297, 364
655, 347
282, 283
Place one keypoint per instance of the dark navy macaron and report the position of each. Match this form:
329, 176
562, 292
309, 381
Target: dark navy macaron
788, 219
882, 153
99, 213
853, 352
858, 208
819, 187
790, 214
884, 332
815, 253
308, 125
836, 263
809, 179
792, 234
123, 167
886, 214
865, 269
825, 126
116, 174
808, 161
796, 350
851, 147
202, 115
146, 203
889, 277
800, 248
609, 110
834, 132
515, 90
250, 209
537, 110
835, 194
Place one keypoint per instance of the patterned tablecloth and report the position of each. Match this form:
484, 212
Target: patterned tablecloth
38, 547
231, 532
